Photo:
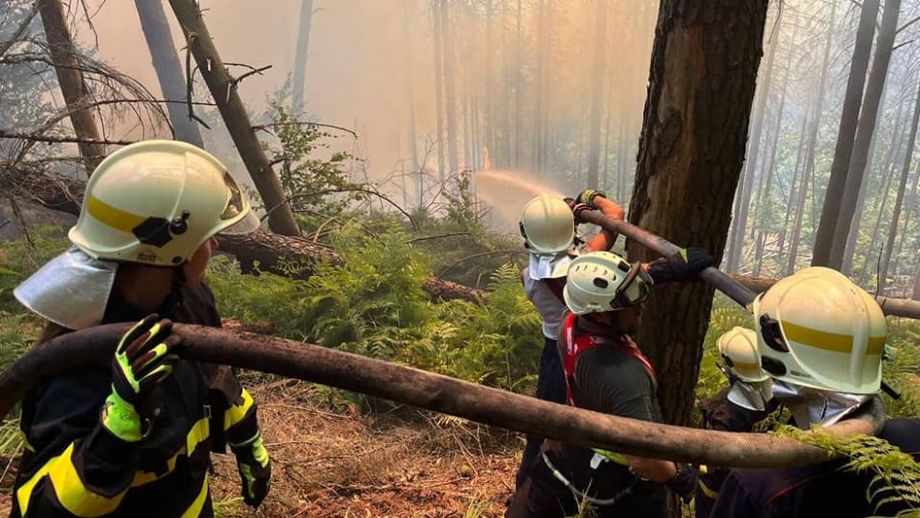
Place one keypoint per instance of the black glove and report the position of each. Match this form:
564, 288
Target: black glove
587, 197
685, 265
255, 469
685, 481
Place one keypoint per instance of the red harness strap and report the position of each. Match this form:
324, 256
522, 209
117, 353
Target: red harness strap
570, 346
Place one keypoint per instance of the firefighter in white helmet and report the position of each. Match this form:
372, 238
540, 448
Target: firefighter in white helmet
135, 439
820, 338
604, 371
548, 228
746, 401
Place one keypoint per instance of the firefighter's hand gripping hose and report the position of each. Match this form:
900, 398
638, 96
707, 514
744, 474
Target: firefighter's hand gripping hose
144, 357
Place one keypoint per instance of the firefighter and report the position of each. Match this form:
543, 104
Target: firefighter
605, 371
548, 227
133, 438
820, 338
747, 400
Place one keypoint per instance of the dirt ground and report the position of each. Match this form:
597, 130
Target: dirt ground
340, 463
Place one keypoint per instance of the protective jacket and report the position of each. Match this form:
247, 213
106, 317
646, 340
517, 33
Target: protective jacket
827, 489
73, 466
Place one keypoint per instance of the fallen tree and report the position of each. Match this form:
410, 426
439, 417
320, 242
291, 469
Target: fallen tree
60, 193
434, 392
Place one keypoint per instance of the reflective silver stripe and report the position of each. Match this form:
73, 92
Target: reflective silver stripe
590, 499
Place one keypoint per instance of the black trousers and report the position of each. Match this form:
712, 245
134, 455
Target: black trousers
550, 387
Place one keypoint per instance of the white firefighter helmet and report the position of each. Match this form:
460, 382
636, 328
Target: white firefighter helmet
604, 281
738, 349
818, 329
548, 225
155, 202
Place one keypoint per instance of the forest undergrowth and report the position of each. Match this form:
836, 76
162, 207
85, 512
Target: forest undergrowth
342, 454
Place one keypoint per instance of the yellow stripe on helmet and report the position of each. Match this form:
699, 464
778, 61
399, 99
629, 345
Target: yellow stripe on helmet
113, 216
828, 341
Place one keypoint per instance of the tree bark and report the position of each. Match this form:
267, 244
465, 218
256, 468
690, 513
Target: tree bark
743, 201
410, 100
899, 199
824, 238
518, 85
301, 55
866, 128
168, 68
597, 92
691, 151
68, 68
223, 90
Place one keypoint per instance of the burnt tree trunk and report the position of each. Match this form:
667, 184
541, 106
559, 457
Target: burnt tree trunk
691, 151
223, 90
866, 128
168, 68
846, 134
450, 97
69, 73
597, 92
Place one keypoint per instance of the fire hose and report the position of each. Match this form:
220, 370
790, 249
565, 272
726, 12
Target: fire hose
438, 393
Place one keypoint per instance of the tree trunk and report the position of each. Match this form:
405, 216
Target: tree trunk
916, 294
797, 172
68, 68
168, 69
410, 100
518, 86
691, 151
489, 119
812, 144
830, 211
597, 92
438, 35
223, 90
867, 118
887, 168
300, 57
450, 97
743, 196
899, 199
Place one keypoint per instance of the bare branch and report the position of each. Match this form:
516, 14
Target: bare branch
17, 34
4, 134
264, 127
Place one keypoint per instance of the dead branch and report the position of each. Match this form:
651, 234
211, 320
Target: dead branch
264, 127
4, 134
19, 32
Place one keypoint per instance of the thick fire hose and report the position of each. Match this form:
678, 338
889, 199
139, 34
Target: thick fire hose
435, 392
735, 290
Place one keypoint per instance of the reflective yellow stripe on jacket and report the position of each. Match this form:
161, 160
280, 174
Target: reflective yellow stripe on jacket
77, 499
237, 413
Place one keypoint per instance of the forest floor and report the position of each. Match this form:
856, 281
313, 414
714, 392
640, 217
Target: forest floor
342, 463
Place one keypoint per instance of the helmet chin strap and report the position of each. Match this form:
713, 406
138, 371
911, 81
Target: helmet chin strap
173, 301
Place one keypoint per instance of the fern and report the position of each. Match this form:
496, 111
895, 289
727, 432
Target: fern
895, 474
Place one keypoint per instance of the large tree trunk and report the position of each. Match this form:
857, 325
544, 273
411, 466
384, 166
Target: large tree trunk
899, 200
223, 90
518, 84
846, 133
69, 73
703, 71
168, 69
301, 55
866, 128
743, 196
597, 92
410, 100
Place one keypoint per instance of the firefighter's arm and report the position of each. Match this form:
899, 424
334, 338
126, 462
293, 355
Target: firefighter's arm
74, 466
597, 200
241, 426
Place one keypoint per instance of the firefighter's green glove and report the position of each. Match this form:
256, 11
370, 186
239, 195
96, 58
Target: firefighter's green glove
255, 469
587, 197
142, 359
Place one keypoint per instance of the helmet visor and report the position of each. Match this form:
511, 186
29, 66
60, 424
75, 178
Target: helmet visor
634, 289
238, 213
